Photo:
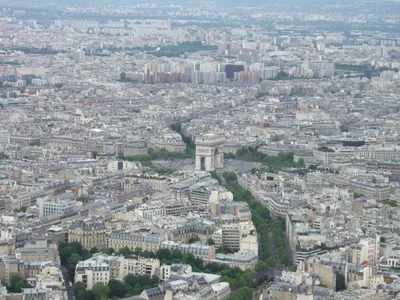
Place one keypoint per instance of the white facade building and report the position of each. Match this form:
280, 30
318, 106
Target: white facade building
62, 205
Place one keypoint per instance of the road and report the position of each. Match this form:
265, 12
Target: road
230, 165
236, 165
70, 290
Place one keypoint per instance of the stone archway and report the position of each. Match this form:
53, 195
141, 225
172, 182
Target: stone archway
202, 163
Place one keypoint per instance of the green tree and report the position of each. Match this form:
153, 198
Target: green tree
89, 295
19, 286
137, 289
176, 254
125, 251
79, 286
71, 264
301, 163
131, 280
117, 288
193, 240
94, 250
229, 176
147, 254
129, 291
145, 280
163, 254
100, 291
244, 293
210, 242
3, 156
81, 295
261, 267
15, 278
109, 251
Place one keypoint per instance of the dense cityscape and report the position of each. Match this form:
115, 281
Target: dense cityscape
173, 150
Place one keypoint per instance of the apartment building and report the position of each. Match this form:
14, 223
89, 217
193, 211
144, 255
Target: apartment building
202, 251
149, 241
375, 154
90, 233
221, 291
157, 183
367, 250
179, 208
60, 205
200, 193
231, 236
190, 230
39, 251
34, 294
245, 259
24, 140
92, 271
327, 275
288, 291
10, 265
371, 190
119, 165
148, 211
279, 206
49, 278
102, 268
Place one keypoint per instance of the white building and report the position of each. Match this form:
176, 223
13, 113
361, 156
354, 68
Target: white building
119, 165
102, 268
221, 290
61, 205
92, 271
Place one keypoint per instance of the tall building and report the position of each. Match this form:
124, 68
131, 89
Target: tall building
228, 236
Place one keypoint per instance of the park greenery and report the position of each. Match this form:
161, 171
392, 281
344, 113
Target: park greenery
261, 94
163, 154
3, 156
158, 155
168, 50
147, 160
277, 227
244, 293
357, 68
41, 51
325, 149
229, 156
272, 163
180, 49
17, 284
22, 209
392, 203
190, 145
